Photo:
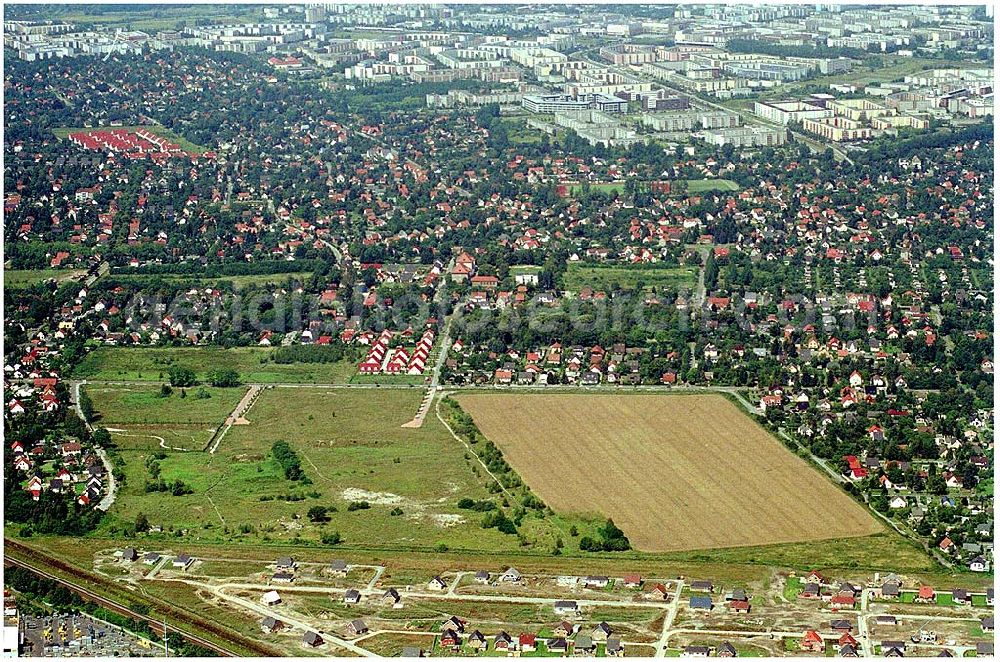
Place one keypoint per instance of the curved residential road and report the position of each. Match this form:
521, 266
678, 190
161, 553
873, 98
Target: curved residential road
284, 618
109, 470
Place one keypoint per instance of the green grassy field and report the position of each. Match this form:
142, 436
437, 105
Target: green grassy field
352, 448
139, 419
253, 363
882, 551
143, 404
602, 277
25, 277
518, 132
600, 187
705, 185
155, 129
160, 17
412, 380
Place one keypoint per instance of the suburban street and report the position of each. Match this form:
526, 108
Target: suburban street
226, 590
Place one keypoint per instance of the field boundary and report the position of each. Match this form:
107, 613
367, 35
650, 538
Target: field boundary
606, 453
468, 446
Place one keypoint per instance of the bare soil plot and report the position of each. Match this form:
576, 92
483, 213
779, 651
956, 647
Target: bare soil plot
674, 472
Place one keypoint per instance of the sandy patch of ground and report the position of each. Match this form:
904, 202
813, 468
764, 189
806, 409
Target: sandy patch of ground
380, 498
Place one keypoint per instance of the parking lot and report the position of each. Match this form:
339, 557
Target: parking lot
64, 635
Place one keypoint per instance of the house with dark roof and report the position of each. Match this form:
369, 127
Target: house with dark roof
566, 607
726, 649
700, 602
893, 645
888, 591
312, 639
502, 641
270, 625
477, 640
601, 632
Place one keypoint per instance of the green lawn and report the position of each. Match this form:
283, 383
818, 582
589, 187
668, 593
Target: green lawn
599, 187
253, 363
519, 269
793, 586
601, 277
155, 129
25, 277
141, 420
705, 185
518, 131
944, 599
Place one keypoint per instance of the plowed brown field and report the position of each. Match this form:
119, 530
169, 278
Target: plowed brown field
675, 472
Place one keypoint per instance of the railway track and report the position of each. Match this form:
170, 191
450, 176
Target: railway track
155, 625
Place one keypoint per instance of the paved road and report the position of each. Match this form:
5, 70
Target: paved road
699, 294
379, 569
242, 407
333, 247
864, 635
429, 397
819, 461
109, 469
284, 618
668, 620
434, 595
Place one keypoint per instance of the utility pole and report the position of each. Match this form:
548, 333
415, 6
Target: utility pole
166, 649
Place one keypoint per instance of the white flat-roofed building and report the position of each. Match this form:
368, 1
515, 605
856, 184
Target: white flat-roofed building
748, 136
784, 112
